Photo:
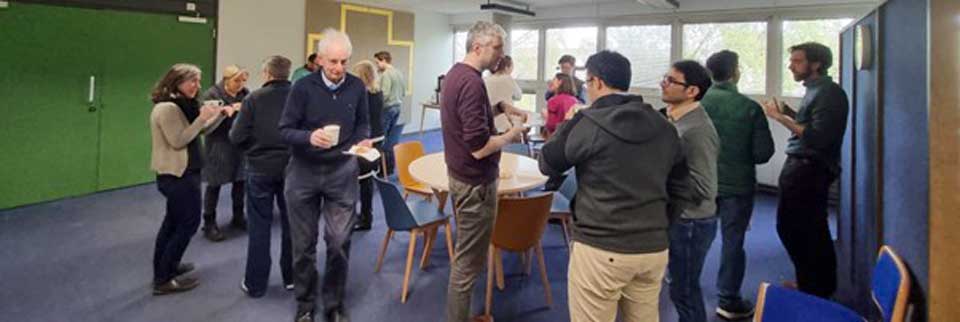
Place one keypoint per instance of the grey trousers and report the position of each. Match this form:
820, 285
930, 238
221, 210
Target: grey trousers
315, 191
475, 209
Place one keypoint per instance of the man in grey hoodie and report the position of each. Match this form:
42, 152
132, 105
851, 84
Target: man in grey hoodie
690, 237
624, 153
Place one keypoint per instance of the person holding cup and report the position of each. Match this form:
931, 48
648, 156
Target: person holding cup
325, 114
224, 160
175, 122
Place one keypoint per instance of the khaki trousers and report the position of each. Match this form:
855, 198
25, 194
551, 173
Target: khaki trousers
600, 283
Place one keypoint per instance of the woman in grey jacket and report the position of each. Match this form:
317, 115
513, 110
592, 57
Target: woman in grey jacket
224, 161
175, 122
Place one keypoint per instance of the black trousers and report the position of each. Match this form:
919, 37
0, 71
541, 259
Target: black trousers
314, 193
802, 224
179, 223
212, 197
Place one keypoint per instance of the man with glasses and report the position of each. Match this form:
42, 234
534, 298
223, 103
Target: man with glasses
472, 153
624, 152
682, 88
813, 163
745, 142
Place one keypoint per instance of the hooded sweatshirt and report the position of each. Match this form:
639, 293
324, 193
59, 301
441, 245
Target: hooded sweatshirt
630, 167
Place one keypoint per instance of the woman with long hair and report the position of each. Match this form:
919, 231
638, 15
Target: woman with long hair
175, 122
224, 160
560, 103
503, 90
367, 71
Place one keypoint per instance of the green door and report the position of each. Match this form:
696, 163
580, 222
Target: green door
142, 47
48, 129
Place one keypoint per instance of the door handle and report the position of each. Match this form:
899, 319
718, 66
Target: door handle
91, 94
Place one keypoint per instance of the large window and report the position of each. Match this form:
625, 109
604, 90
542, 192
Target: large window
459, 46
747, 39
826, 32
528, 102
581, 42
647, 47
524, 45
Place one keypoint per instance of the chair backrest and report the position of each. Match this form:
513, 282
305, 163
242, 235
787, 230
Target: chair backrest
778, 304
521, 221
395, 209
404, 154
569, 186
890, 285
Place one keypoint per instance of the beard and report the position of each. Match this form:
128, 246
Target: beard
802, 75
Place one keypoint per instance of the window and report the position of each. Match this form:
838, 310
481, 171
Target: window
747, 39
647, 48
528, 102
581, 42
825, 31
459, 46
524, 44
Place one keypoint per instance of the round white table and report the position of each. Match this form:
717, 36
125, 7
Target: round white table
517, 173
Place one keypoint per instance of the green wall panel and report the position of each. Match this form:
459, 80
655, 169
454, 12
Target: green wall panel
54, 145
142, 48
47, 134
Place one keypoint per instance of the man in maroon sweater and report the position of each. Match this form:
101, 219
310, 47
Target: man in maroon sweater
472, 153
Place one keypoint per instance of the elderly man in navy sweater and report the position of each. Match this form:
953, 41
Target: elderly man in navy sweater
321, 180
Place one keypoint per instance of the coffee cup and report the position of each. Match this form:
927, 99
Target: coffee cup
214, 103
333, 132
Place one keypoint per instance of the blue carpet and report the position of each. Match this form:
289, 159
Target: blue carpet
88, 259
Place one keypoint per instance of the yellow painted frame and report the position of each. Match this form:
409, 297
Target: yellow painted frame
344, 8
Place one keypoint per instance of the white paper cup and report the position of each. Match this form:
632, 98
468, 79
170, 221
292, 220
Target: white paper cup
215, 103
333, 132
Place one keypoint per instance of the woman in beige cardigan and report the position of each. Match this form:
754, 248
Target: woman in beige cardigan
175, 122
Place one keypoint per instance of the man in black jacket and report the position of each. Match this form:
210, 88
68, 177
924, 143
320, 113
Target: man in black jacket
624, 153
255, 132
321, 179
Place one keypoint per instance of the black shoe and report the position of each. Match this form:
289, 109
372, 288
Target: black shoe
246, 290
213, 233
738, 310
238, 222
176, 285
304, 316
184, 268
337, 315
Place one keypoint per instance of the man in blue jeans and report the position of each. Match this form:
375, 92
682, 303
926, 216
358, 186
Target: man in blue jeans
394, 88
691, 235
255, 132
745, 142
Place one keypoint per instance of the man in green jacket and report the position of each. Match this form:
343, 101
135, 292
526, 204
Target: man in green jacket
745, 142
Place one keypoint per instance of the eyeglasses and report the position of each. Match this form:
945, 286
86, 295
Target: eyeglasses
667, 80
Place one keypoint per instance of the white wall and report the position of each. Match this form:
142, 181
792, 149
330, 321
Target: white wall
249, 31
433, 55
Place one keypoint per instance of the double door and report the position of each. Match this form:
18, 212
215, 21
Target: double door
75, 96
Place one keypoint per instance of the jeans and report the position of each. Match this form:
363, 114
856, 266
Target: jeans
179, 223
475, 208
734, 213
391, 134
802, 224
690, 241
316, 191
262, 191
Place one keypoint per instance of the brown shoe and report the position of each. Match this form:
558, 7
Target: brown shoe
176, 285
213, 233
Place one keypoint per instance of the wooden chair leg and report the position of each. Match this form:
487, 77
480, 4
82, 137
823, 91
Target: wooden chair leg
528, 260
406, 275
446, 226
564, 223
431, 236
441, 199
490, 277
498, 257
383, 249
543, 275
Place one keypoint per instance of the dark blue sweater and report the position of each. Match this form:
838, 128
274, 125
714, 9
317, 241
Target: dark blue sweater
311, 106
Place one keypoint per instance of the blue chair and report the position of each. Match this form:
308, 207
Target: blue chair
419, 217
560, 208
890, 289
